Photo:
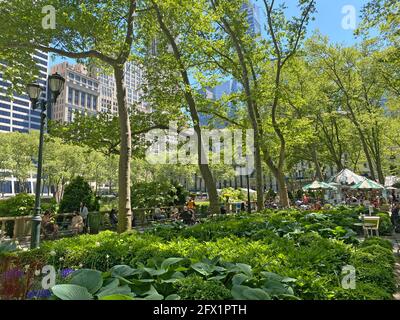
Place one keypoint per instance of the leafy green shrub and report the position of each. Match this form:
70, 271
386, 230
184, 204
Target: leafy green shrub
20, 205
309, 247
49, 204
76, 192
363, 291
374, 264
385, 225
197, 288
157, 194
378, 241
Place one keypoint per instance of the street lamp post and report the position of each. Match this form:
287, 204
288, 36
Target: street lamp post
55, 84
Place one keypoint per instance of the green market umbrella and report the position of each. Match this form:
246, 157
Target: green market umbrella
316, 185
368, 184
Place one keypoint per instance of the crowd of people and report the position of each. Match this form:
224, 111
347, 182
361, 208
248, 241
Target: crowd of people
187, 214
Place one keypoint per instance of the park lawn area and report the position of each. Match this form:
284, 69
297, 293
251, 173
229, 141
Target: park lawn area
269, 255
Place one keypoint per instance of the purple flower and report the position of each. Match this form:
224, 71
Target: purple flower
35, 294
66, 272
12, 274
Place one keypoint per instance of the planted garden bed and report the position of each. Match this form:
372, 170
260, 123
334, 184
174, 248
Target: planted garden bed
269, 255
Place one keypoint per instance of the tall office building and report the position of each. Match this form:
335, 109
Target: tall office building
81, 93
16, 114
253, 17
231, 86
133, 82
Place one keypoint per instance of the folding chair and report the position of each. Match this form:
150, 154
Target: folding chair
371, 224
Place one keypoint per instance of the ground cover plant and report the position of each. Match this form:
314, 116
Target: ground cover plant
270, 255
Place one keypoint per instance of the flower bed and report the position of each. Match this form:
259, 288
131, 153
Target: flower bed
270, 255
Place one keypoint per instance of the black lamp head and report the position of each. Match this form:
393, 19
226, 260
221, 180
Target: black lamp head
56, 84
34, 91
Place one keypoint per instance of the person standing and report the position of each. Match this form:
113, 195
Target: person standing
395, 216
84, 213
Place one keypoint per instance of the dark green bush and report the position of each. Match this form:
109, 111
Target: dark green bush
76, 192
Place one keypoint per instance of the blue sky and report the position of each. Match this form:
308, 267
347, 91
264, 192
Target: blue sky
328, 19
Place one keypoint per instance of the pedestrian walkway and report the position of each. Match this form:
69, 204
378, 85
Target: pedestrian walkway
395, 239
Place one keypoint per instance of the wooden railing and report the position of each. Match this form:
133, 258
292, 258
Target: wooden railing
142, 218
21, 227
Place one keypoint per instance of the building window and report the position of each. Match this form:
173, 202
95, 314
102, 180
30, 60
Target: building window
70, 95
94, 102
90, 83
76, 97
71, 76
89, 101
84, 81
78, 78
83, 98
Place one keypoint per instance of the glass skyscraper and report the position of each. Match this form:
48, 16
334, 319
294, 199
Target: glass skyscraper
16, 114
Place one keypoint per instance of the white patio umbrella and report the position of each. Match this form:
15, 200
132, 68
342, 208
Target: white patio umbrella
346, 177
368, 184
316, 185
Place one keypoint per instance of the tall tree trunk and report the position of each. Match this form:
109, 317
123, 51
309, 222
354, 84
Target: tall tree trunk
318, 170
124, 179
251, 105
283, 190
202, 154
363, 139
367, 153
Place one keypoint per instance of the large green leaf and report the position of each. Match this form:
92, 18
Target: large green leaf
169, 262
92, 280
123, 271
123, 280
71, 292
203, 268
240, 292
173, 297
155, 272
124, 290
117, 297
152, 294
110, 284
239, 278
245, 268
173, 278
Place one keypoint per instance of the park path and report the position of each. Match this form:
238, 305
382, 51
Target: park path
395, 239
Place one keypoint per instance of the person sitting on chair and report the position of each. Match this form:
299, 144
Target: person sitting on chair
186, 215
113, 217
77, 223
49, 227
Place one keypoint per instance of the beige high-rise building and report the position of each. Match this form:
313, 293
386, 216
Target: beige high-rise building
81, 93
133, 81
